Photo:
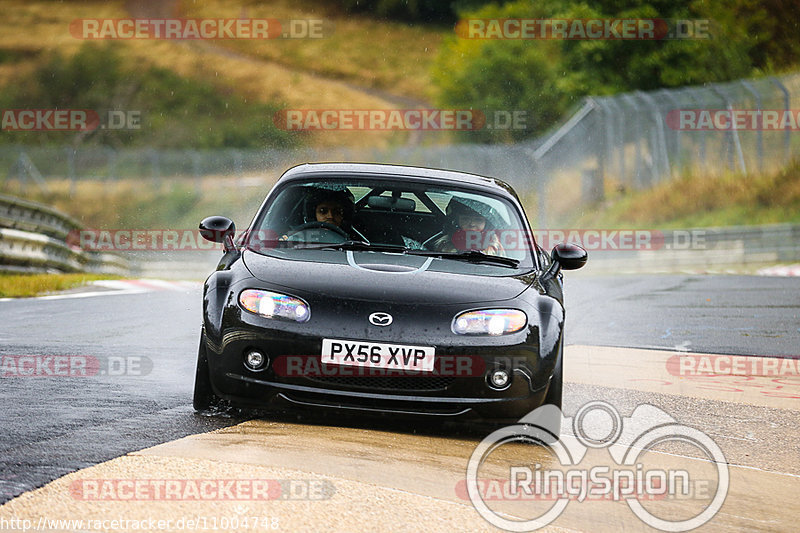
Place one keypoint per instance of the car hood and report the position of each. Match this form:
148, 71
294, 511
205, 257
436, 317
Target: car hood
371, 276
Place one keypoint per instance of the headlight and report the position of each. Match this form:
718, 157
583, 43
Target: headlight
274, 305
489, 322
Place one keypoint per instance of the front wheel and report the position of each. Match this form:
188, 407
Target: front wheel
204, 397
554, 396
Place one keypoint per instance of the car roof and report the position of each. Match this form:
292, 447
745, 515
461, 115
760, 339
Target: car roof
440, 176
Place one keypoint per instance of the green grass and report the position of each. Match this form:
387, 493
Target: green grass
137, 204
365, 63
26, 285
371, 52
703, 201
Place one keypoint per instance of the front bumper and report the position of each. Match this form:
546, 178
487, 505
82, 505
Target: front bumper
454, 395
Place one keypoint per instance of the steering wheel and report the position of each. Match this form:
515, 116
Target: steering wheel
325, 231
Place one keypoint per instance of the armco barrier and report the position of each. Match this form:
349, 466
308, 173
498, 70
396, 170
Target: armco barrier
32, 239
707, 248
24, 215
713, 249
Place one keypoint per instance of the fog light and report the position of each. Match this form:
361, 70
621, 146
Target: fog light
499, 378
255, 360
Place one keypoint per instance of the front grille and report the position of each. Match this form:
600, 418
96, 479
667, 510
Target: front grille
396, 383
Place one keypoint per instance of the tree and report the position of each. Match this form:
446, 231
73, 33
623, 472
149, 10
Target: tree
545, 77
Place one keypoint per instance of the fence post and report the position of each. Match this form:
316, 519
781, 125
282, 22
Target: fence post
637, 124
787, 134
541, 193
732, 134
658, 149
700, 105
154, 165
759, 133
672, 148
71, 170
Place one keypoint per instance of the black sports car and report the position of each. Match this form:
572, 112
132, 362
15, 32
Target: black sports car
381, 288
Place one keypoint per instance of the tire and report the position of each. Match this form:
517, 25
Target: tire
550, 422
554, 395
204, 397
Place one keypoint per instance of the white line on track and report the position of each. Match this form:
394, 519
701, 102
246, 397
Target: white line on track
118, 287
781, 270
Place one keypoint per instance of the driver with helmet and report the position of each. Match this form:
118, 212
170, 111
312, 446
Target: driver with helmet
329, 207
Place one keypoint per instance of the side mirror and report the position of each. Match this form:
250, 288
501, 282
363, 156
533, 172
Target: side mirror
569, 256
219, 229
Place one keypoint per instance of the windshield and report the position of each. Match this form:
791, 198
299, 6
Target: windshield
379, 216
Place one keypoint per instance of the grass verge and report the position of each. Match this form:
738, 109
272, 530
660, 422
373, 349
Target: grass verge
358, 66
26, 285
137, 204
703, 201
378, 54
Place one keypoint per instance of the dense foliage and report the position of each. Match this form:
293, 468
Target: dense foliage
437, 11
545, 77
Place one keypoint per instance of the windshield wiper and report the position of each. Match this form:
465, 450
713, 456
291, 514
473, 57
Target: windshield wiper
473, 256
356, 245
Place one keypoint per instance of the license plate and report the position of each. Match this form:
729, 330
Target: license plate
378, 355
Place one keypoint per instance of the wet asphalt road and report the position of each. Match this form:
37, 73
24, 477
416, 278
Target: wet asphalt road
52, 426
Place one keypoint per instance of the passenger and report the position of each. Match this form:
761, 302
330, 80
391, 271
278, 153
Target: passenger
467, 230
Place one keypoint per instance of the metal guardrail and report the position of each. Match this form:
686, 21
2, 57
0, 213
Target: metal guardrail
33, 239
707, 248
24, 215
740, 248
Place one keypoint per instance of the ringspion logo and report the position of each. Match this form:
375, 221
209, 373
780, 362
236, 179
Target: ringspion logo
562, 474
